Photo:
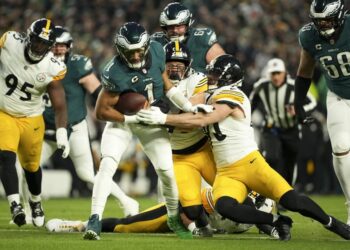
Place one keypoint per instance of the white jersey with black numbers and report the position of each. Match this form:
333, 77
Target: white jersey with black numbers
184, 138
232, 138
22, 84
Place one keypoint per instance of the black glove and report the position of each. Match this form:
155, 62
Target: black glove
302, 117
302, 85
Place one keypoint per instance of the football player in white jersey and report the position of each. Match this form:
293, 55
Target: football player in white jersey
27, 70
240, 166
192, 155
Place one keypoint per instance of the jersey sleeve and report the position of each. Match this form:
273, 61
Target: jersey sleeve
305, 38
160, 53
114, 80
202, 84
84, 66
3, 39
231, 97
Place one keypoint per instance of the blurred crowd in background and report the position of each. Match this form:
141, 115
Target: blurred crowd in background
252, 30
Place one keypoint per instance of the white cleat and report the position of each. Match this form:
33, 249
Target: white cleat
64, 226
130, 207
38, 217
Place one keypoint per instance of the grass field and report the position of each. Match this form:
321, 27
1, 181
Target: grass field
306, 234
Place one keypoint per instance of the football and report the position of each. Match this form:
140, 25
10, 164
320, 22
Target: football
130, 103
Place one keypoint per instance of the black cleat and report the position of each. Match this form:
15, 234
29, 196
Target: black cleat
340, 228
18, 215
268, 229
38, 216
283, 225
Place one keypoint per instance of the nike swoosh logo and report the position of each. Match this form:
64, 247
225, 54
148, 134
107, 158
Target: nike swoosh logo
252, 161
35, 129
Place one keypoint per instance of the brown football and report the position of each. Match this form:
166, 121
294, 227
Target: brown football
130, 103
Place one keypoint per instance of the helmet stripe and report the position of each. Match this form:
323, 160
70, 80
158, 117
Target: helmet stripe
47, 26
177, 47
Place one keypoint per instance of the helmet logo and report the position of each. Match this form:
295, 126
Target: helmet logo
40, 77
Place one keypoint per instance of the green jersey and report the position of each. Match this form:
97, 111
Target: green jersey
78, 66
198, 41
118, 77
333, 56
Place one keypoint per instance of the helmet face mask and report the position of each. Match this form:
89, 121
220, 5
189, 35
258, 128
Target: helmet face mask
132, 43
175, 21
178, 61
63, 37
327, 16
40, 39
225, 70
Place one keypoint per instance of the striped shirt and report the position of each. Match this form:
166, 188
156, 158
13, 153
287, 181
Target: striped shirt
275, 101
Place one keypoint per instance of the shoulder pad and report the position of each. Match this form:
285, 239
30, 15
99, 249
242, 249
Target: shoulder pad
233, 95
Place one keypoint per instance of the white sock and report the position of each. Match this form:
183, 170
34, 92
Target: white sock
119, 194
169, 190
35, 198
342, 170
191, 226
13, 197
102, 186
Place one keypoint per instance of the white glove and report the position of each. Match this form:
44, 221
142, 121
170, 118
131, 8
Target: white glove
130, 119
62, 141
202, 108
151, 116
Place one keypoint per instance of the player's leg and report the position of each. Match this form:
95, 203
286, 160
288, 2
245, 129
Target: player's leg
10, 134
338, 124
156, 144
29, 152
153, 220
115, 139
270, 184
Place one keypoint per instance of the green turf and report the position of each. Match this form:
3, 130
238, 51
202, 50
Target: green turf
306, 234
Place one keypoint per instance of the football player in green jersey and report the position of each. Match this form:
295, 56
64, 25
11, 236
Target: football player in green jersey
326, 41
79, 81
176, 22
138, 66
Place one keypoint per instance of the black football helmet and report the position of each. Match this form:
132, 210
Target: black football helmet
327, 15
175, 14
177, 52
40, 39
63, 37
131, 38
225, 70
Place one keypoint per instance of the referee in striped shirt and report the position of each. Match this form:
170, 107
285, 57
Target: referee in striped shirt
281, 134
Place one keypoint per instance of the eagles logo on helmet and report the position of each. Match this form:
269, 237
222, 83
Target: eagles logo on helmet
63, 37
328, 16
175, 14
132, 42
40, 39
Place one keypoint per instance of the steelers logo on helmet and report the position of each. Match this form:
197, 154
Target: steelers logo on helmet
175, 14
40, 39
327, 16
132, 43
225, 70
178, 59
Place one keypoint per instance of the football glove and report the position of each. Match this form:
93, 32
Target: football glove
62, 141
301, 115
202, 108
152, 116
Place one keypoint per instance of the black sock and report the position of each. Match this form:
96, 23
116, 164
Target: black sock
304, 205
8, 172
230, 208
34, 181
197, 214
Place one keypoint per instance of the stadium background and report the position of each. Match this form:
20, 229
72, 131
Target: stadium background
252, 30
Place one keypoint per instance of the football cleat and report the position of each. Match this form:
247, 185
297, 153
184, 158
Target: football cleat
269, 230
203, 232
340, 228
38, 217
93, 228
283, 225
130, 207
176, 225
64, 226
18, 215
